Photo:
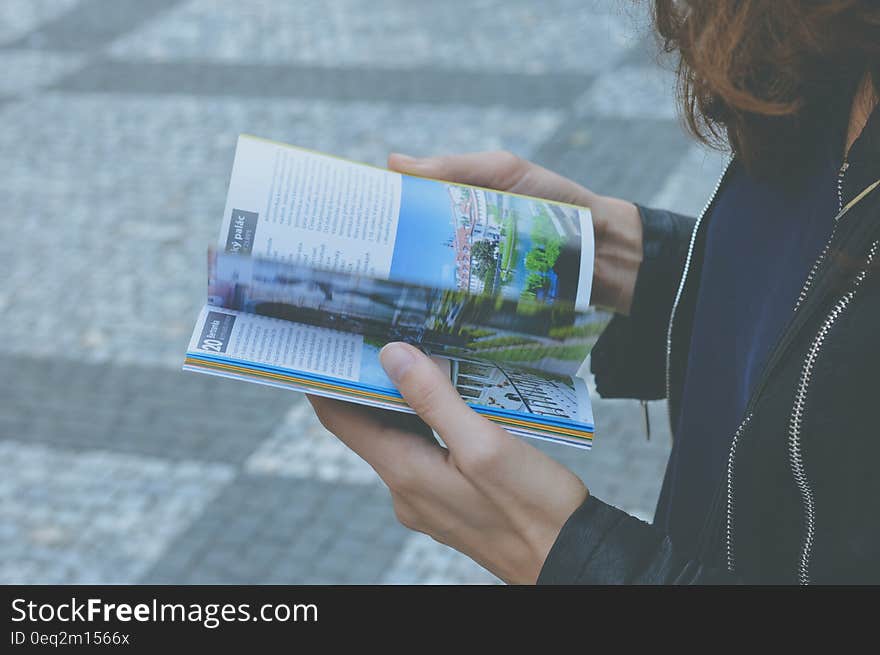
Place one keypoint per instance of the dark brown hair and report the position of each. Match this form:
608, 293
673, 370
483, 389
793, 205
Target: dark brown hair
762, 76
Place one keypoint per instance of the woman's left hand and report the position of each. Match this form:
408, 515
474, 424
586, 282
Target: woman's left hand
487, 494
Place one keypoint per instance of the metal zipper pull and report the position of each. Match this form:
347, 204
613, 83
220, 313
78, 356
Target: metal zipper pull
647, 420
840, 175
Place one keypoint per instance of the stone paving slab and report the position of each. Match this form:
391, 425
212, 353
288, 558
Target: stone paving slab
90, 24
438, 88
591, 152
488, 35
301, 448
138, 410
27, 70
276, 530
691, 182
21, 17
628, 92
425, 561
94, 517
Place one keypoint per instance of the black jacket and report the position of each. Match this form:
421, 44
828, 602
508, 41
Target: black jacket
800, 501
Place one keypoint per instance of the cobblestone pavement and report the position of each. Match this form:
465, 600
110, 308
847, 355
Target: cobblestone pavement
118, 121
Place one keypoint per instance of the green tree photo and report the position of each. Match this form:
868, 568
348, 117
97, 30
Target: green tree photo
483, 257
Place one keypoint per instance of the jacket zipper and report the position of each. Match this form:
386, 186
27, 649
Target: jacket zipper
795, 453
840, 175
808, 283
734, 444
731, 460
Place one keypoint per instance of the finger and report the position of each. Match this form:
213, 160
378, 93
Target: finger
386, 440
495, 170
343, 417
429, 391
338, 411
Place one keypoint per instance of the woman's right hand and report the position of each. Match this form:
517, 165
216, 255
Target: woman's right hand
616, 223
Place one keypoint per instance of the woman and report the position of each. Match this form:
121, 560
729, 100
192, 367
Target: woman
759, 322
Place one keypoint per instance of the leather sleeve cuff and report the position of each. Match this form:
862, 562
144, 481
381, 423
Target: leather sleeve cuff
629, 359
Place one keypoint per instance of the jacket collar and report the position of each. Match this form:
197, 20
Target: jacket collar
863, 159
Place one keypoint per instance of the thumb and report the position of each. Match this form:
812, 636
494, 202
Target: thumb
495, 170
429, 391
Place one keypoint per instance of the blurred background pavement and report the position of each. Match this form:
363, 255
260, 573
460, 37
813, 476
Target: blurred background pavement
118, 121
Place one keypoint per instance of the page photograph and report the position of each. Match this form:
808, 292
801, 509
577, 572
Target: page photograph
513, 389
486, 242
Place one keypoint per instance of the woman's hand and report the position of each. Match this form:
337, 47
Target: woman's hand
487, 494
616, 223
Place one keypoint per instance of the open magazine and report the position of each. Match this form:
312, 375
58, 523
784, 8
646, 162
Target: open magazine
321, 261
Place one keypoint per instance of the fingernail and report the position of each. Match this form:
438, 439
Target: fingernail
396, 359
406, 159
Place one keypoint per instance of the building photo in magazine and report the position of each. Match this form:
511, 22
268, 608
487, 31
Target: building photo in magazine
483, 242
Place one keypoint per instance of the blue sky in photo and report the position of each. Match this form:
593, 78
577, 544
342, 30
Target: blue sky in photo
420, 254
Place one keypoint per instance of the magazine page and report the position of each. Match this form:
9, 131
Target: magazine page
321, 211
346, 366
550, 337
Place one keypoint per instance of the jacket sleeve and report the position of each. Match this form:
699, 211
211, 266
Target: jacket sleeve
600, 544
629, 359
